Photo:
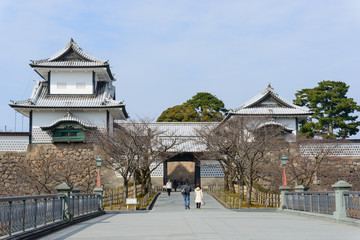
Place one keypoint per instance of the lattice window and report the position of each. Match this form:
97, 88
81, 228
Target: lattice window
211, 169
13, 145
158, 172
40, 136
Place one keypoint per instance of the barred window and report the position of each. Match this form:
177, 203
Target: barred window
61, 85
80, 85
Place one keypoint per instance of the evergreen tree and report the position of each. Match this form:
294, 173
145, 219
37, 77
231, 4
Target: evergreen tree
203, 107
179, 113
332, 110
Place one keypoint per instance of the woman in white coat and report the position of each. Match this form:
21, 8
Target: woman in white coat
198, 196
168, 187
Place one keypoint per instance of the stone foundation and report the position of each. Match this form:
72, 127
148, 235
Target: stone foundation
43, 166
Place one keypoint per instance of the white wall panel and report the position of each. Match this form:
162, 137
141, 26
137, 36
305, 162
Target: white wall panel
71, 79
42, 118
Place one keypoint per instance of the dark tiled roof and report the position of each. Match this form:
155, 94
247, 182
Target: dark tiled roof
40, 98
287, 108
83, 58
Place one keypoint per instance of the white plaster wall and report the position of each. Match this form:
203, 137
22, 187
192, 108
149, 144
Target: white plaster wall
71, 78
14, 138
288, 122
97, 118
111, 124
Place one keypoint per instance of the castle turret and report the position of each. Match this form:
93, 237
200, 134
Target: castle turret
76, 93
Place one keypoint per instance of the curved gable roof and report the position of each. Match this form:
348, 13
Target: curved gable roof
67, 118
282, 106
72, 45
71, 56
69, 47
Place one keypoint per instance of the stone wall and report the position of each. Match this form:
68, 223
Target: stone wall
43, 166
345, 168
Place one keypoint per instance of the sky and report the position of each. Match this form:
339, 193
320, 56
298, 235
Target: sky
163, 52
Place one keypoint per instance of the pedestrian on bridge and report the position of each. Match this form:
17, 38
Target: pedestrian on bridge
175, 184
185, 191
168, 187
198, 196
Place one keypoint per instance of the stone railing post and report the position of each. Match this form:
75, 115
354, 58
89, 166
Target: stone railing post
63, 188
76, 190
340, 187
99, 191
301, 188
283, 190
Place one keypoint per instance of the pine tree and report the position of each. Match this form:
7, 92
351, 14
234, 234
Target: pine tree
203, 107
332, 110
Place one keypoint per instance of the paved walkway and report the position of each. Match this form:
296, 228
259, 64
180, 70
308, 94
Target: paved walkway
170, 220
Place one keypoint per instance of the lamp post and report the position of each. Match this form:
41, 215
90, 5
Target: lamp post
284, 160
98, 164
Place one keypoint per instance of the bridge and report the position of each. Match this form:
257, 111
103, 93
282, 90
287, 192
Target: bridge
170, 220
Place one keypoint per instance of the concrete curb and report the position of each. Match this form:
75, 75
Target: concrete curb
225, 205
45, 230
325, 217
151, 204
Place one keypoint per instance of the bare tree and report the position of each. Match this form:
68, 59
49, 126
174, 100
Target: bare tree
307, 156
38, 171
43, 170
219, 148
121, 150
155, 146
133, 148
245, 144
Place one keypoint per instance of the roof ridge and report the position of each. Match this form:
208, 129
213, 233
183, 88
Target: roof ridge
76, 48
37, 91
268, 90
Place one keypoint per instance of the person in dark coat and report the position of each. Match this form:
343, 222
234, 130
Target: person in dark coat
175, 184
185, 191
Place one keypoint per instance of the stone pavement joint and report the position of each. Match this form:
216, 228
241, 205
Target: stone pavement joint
170, 220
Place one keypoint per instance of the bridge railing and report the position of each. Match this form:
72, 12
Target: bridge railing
25, 213
318, 202
352, 204
341, 204
82, 204
29, 212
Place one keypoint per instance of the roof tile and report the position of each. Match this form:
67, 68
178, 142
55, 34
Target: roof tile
42, 99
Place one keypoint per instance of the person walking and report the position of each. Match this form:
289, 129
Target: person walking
168, 187
175, 184
185, 191
198, 196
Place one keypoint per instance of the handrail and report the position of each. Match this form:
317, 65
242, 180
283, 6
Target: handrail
351, 192
310, 193
83, 194
19, 214
21, 198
